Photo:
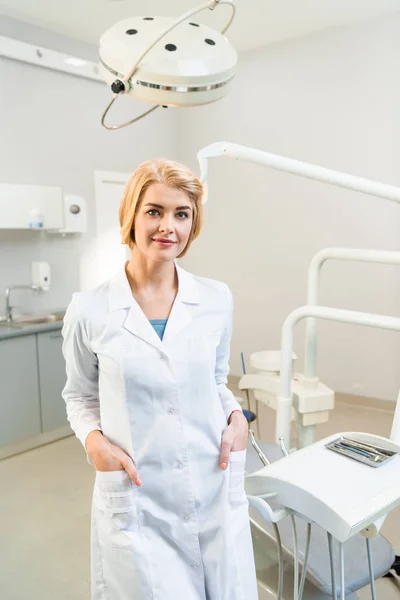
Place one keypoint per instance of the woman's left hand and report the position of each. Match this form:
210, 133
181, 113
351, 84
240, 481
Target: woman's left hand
234, 437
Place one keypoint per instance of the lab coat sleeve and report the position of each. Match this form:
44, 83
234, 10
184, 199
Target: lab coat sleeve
81, 392
229, 404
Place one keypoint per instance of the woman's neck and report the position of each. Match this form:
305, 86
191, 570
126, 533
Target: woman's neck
146, 274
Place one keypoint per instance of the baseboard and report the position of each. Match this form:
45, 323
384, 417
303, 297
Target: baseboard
364, 402
35, 442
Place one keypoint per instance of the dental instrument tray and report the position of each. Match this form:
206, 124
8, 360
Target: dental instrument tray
369, 454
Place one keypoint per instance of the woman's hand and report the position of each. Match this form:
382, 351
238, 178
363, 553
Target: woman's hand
105, 456
234, 437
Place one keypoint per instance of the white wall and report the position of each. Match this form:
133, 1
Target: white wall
332, 99
51, 135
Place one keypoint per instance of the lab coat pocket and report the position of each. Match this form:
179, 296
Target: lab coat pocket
238, 503
237, 461
116, 509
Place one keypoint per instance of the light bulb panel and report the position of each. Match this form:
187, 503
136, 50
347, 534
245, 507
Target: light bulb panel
193, 64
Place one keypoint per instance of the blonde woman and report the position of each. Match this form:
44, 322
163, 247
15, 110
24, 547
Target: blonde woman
147, 363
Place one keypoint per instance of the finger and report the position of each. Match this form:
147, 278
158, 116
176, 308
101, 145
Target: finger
130, 468
226, 446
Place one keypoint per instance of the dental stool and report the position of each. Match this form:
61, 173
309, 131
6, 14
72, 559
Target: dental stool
319, 573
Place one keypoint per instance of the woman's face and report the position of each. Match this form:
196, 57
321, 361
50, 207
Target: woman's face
163, 223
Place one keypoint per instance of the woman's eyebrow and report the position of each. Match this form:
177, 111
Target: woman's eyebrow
177, 208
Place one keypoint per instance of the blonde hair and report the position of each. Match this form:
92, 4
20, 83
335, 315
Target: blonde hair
164, 171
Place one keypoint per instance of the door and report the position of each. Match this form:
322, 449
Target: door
106, 254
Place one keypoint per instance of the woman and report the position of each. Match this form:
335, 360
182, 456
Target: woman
147, 364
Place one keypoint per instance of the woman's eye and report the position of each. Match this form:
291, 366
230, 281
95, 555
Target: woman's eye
152, 212
182, 215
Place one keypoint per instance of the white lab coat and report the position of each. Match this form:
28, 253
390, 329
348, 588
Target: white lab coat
184, 534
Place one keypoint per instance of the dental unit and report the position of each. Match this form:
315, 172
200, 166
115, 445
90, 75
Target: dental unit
328, 486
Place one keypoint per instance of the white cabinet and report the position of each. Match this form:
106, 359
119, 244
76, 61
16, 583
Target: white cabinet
31, 206
41, 207
32, 410
52, 378
19, 390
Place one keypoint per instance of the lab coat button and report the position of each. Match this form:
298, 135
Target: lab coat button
171, 411
179, 466
194, 566
186, 518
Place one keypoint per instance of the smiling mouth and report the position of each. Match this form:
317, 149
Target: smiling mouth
164, 242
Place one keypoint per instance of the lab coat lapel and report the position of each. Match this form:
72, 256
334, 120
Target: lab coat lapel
179, 318
182, 311
136, 322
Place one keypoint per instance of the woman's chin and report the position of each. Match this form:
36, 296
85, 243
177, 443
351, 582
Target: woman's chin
162, 256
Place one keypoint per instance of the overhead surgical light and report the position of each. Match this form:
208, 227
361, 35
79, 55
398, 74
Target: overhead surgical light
166, 61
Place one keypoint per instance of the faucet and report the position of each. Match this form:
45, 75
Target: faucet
9, 308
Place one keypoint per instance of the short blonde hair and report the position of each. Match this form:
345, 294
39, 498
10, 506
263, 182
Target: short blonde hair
164, 171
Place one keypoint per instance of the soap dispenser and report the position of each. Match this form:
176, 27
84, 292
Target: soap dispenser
41, 275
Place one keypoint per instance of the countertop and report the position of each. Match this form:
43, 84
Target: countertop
11, 332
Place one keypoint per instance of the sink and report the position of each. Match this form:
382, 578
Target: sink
31, 320
38, 319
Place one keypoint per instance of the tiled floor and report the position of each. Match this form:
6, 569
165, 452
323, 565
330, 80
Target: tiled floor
45, 513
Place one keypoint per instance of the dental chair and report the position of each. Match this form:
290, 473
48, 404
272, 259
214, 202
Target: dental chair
318, 585
334, 495
284, 492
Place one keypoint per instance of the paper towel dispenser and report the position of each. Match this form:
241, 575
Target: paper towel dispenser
74, 215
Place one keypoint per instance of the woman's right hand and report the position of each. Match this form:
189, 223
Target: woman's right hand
105, 456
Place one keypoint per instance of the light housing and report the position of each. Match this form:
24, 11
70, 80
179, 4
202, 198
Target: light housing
166, 61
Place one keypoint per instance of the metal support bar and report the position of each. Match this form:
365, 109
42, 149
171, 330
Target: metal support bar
332, 563
371, 569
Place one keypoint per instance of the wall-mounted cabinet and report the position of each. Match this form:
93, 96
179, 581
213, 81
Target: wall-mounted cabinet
40, 207
31, 207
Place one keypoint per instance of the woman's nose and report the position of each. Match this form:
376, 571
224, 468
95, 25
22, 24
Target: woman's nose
166, 223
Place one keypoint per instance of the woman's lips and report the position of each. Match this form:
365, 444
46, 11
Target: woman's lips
164, 243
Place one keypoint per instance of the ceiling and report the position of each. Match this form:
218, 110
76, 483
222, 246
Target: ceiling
258, 22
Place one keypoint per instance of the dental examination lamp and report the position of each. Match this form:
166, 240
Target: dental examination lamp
167, 61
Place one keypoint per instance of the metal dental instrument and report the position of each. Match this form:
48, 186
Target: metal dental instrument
257, 448
366, 446
283, 446
365, 453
